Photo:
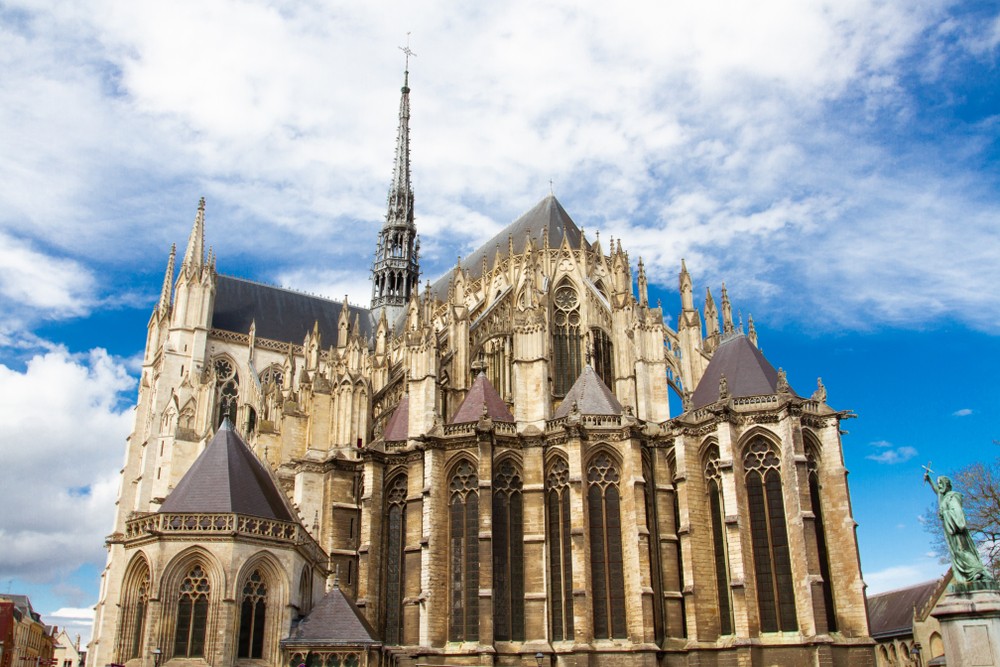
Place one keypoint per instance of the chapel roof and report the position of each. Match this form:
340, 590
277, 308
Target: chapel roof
747, 372
591, 396
890, 614
398, 426
482, 395
228, 478
335, 620
280, 314
546, 217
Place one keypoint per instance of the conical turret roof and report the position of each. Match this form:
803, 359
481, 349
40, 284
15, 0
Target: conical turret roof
591, 396
482, 395
335, 620
747, 372
398, 427
228, 478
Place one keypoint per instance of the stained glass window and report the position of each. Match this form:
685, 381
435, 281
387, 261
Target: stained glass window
464, 542
508, 553
253, 613
606, 564
395, 569
192, 614
560, 549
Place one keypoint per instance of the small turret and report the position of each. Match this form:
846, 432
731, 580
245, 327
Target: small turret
194, 255
711, 315
686, 289
727, 312
643, 287
163, 307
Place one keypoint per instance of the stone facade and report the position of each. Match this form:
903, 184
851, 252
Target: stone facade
572, 516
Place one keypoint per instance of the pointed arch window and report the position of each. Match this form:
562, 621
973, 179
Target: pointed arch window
508, 553
464, 548
395, 521
653, 545
821, 544
720, 550
557, 527
253, 615
566, 338
603, 357
133, 625
227, 390
497, 353
769, 537
606, 563
192, 614
305, 592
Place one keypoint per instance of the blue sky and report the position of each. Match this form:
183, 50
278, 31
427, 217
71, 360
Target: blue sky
836, 164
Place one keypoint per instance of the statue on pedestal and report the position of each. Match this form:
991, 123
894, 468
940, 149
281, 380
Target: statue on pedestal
966, 564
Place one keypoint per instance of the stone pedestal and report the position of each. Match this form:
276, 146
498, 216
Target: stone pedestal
970, 625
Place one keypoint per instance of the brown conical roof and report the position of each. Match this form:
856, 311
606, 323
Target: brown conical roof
747, 372
591, 396
228, 478
398, 427
335, 620
482, 394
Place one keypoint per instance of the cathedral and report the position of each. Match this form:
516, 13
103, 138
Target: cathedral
480, 470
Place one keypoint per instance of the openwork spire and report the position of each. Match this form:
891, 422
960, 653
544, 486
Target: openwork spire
194, 255
395, 271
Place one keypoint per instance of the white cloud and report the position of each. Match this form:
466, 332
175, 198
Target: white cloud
964, 412
890, 454
62, 425
903, 575
35, 280
72, 613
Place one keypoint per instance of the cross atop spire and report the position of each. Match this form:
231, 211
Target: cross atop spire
406, 70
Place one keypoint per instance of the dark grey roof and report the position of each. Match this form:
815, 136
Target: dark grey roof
280, 314
482, 393
747, 372
591, 395
227, 477
547, 215
335, 620
890, 614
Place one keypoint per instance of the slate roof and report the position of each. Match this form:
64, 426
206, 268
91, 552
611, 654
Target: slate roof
747, 372
547, 215
398, 427
591, 396
280, 314
228, 478
482, 393
890, 614
335, 620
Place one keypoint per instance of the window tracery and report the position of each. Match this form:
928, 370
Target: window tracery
508, 553
227, 390
395, 570
606, 562
560, 549
769, 537
603, 357
716, 505
253, 615
464, 536
192, 614
566, 338
821, 543
133, 624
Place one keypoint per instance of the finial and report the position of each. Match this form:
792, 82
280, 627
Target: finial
406, 72
336, 576
201, 204
552, 189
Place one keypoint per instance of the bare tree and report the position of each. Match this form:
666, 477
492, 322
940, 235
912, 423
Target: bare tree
979, 484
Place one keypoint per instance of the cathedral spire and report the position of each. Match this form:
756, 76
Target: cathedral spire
395, 270
194, 256
163, 307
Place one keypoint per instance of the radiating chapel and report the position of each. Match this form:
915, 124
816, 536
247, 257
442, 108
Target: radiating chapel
479, 470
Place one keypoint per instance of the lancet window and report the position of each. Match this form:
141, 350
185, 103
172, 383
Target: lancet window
464, 552
602, 357
716, 507
606, 563
508, 553
821, 544
192, 614
227, 390
653, 545
305, 592
497, 353
566, 338
769, 536
133, 625
557, 527
253, 615
395, 520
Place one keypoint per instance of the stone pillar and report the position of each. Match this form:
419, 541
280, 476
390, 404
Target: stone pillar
970, 624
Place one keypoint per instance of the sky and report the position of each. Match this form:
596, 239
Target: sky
837, 164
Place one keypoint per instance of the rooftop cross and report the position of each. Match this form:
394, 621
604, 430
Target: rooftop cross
406, 50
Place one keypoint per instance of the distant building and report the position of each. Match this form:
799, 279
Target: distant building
490, 464
67, 651
902, 624
33, 641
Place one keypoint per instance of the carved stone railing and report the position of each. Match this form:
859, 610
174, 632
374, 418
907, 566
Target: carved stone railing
203, 524
756, 401
394, 445
601, 421
505, 428
460, 428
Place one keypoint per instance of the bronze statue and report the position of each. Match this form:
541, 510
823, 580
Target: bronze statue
966, 565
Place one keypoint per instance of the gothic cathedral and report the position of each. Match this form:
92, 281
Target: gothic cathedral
482, 470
